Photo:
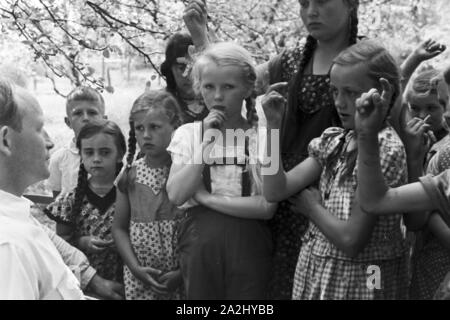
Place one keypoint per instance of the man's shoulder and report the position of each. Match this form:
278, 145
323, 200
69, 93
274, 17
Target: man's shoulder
17, 233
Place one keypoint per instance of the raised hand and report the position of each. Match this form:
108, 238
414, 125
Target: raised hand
195, 18
273, 104
428, 49
372, 109
418, 138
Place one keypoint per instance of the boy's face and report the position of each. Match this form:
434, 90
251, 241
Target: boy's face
429, 105
80, 113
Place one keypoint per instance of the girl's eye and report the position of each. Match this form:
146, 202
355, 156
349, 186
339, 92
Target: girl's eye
207, 86
93, 113
304, 3
104, 153
139, 128
87, 153
229, 86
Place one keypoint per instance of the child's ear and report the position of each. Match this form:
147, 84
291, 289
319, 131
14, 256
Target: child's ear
105, 117
5, 141
67, 122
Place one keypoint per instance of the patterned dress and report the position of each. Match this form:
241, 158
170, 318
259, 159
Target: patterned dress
153, 224
431, 259
95, 219
317, 112
324, 271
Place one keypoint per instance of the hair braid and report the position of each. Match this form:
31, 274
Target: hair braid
80, 190
252, 116
288, 137
354, 26
123, 182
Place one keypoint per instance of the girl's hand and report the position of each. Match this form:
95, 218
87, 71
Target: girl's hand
418, 138
91, 244
372, 109
305, 201
149, 276
273, 104
195, 18
171, 280
428, 49
215, 119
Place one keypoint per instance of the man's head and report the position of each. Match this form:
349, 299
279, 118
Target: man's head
83, 105
24, 144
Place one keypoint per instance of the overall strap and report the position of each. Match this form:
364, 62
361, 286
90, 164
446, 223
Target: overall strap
245, 181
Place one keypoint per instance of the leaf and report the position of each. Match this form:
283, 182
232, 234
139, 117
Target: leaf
153, 77
110, 89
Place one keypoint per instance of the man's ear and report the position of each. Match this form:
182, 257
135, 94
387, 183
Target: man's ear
67, 122
5, 140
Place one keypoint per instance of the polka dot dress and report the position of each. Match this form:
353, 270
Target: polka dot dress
153, 237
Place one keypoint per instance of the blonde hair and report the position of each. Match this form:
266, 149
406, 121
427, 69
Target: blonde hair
423, 84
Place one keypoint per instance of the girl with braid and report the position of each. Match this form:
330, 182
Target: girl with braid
343, 244
225, 244
84, 216
332, 27
145, 222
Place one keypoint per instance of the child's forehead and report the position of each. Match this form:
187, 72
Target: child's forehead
98, 140
150, 115
83, 105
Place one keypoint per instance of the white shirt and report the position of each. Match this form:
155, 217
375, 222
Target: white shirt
64, 167
225, 180
31, 267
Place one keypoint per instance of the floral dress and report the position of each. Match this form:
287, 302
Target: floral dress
95, 219
431, 259
153, 225
316, 112
324, 271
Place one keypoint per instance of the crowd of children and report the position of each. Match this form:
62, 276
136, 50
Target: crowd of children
193, 214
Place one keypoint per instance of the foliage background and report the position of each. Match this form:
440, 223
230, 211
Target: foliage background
118, 45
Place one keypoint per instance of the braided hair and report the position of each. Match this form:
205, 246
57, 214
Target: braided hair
293, 112
88, 131
149, 100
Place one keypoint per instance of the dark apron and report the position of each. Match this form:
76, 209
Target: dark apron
221, 256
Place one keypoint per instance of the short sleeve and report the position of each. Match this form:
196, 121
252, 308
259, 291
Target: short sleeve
55, 180
181, 147
61, 209
392, 158
438, 189
439, 162
321, 148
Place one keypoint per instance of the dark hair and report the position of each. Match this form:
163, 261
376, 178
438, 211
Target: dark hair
288, 135
177, 46
10, 114
149, 100
83, 93
89, 130
380, 64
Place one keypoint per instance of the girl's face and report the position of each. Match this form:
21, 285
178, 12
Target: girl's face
224, 86
347, 83
100, 156
427, 105
324, 19
153, 132
184, 83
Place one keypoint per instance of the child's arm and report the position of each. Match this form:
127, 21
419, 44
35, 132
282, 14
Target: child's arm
185, 178
440, 229
121, 237
350, 236
375, 196
424, 51
254, 207
281, 185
